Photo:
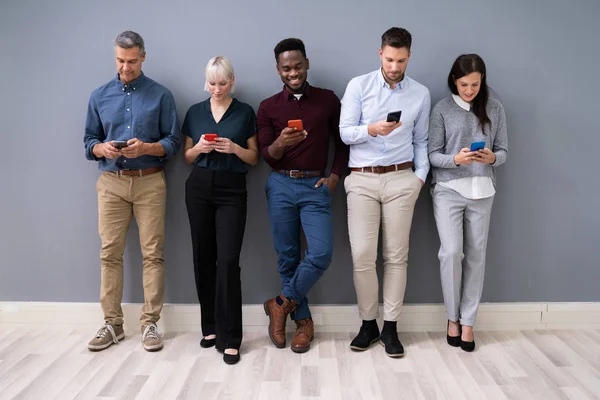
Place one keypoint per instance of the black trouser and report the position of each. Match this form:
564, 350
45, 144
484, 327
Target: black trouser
216, 205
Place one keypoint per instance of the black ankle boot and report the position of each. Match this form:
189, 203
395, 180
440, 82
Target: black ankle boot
393, 347
368, 334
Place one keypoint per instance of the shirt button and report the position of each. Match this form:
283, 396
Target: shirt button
128, 109
127, 126
124, 160
128, 93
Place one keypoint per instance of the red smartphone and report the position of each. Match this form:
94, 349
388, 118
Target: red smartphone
296, 123
210, 137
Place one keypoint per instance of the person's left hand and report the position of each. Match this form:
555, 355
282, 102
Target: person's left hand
225, 145
135, 148
331, 181
485, 156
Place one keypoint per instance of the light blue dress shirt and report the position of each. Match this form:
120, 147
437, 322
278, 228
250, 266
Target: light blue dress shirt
369, 98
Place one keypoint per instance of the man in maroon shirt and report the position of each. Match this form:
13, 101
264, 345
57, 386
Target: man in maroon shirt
298, 191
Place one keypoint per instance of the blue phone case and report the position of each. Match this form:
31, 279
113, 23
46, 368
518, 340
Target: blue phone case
477, 146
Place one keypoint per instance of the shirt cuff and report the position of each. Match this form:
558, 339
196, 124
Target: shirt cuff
168, 147
90, 150
421, 174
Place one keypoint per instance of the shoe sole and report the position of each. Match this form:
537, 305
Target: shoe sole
365, 348
153, 348
106, 346
266, 308
392, 355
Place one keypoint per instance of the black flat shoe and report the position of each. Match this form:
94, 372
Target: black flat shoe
206, 343
231, 358
467, 346
453, 341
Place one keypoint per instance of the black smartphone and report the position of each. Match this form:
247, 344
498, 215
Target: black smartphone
394, 116
119, 144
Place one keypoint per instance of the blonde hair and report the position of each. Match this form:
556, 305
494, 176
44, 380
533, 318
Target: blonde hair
219, 67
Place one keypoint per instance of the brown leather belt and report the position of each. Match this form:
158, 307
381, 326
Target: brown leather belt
137, 172
383, 170
299, 173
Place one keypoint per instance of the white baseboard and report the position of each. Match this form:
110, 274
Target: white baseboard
328, 318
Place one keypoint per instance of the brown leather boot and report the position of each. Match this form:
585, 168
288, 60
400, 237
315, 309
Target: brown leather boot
305, 333
277, 318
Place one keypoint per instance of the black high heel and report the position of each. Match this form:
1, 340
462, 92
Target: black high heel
468, 346
453, 341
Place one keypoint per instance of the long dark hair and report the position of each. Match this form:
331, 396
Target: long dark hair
465, 65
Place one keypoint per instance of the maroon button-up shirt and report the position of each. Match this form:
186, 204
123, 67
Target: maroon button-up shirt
319, 110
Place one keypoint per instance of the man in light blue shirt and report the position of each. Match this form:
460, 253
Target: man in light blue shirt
382, 187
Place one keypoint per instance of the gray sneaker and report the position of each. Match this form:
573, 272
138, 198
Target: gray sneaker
151, 338
106, 336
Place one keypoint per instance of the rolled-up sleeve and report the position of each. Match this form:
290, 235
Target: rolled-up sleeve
94, 133
169, 126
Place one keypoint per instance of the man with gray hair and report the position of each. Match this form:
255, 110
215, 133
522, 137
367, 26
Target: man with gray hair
131, 129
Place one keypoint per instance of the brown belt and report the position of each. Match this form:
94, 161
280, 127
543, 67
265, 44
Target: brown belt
383, 170
137, 172
299, 173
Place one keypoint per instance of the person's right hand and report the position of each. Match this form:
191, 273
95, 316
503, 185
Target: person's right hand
106, 150
291, 136
382, 128
465, 156
204, 146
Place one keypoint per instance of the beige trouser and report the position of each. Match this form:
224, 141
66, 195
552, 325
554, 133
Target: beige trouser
390, 199
120, 198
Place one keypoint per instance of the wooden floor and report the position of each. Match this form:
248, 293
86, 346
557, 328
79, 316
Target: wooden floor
55, 364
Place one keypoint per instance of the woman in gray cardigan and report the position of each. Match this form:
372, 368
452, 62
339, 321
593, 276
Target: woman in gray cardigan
463, 188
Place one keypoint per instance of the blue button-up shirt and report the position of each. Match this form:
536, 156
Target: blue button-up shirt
141, 109
369, 98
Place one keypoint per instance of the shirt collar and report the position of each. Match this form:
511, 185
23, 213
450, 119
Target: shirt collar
383, 82
290, 96
136, 84
461, 103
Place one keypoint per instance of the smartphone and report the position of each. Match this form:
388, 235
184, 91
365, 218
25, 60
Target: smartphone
210, 137
477, 146
394, 116
119, 144
296, 123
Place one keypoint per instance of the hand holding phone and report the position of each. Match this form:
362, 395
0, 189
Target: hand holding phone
119, 144
477, 146
296, 123
394, 116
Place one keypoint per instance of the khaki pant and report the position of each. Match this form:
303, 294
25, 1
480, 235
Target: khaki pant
120, 198
388, 199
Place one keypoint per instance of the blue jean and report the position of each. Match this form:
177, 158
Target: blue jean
294, 203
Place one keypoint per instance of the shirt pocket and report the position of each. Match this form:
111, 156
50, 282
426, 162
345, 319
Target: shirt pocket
147, 126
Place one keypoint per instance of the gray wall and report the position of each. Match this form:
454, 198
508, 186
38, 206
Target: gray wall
542, 62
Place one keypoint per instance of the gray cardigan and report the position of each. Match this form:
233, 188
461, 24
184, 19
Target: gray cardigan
451, 128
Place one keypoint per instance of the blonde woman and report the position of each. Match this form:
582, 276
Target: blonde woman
220, 142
